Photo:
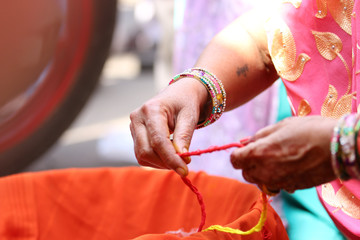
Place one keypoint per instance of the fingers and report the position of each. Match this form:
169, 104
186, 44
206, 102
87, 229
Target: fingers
143, 151
270, 191
266, 131
183, 132
292, 154
150, 128
159, 140
243, 158
255, 160
175, 110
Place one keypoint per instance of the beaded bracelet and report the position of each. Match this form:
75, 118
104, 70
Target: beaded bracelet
213, 86
357, 138
345, 161
221, 94
334, 147
347, 143
354, 170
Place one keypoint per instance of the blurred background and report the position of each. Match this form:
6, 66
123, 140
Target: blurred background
151, 40
100, 135
147, 36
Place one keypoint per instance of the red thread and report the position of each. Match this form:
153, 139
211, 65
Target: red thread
200, 200
241, 143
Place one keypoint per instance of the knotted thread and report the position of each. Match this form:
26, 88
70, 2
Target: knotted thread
261, 222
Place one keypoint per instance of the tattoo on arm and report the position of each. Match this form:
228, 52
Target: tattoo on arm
242, 71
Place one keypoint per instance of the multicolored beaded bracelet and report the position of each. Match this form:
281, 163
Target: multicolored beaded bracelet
354, 165
357, 138
221, 96
215, 89
347, 143
334, 148
345, 161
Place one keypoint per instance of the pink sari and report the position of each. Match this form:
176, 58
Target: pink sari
314, 46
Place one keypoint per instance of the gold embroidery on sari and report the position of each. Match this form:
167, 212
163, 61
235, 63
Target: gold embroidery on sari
328, 195
298, 68
334, 108
350, 204
283, 54
322, 9
343, 200
329, 46
304, 108
295, 3
341, 11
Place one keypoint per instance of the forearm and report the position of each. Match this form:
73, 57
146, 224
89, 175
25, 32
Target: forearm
239, 57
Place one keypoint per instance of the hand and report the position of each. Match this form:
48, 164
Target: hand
292, 154
175, 110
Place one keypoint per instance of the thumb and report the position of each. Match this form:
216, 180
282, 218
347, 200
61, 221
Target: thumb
183, 132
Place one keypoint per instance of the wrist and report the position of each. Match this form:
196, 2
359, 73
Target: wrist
212, 110
196, 91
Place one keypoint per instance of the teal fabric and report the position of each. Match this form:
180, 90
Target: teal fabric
307, 218
305, 215
284, 109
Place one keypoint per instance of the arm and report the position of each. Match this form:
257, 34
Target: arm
239, 57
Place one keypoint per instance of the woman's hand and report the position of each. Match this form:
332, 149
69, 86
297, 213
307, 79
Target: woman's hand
292, 154
175, 110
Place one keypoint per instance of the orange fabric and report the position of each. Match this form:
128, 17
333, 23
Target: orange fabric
125, 203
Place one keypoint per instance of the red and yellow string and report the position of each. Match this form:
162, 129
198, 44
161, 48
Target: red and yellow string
258, 227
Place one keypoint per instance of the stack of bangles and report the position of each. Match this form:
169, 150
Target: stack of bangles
344, 150
215, 89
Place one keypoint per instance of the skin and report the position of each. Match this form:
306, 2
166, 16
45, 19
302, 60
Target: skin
292, 154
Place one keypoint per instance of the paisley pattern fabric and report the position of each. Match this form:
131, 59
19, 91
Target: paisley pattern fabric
314, 45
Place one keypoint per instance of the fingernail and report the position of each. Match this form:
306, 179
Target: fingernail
269, 192
176, 147
187, 160
181, 171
